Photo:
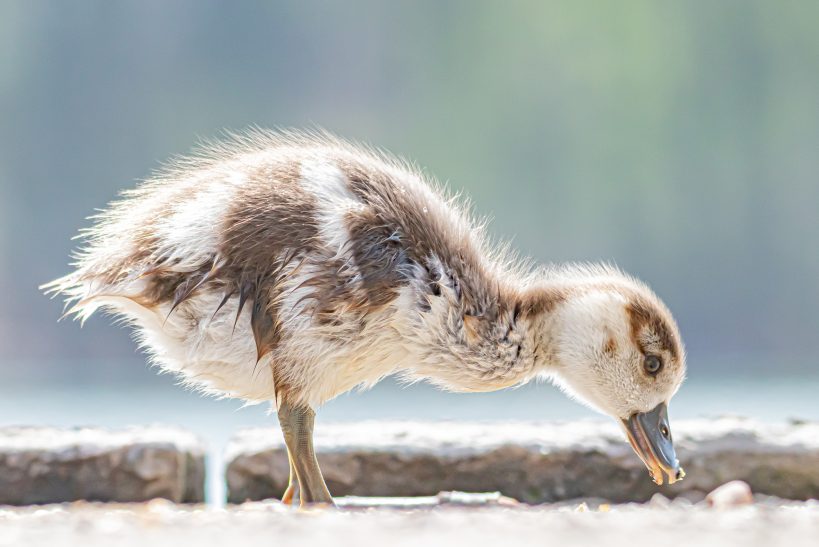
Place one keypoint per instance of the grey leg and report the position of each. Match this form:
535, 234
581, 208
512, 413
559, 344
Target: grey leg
292, 483
297, 425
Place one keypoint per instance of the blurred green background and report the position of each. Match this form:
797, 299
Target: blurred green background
678, 139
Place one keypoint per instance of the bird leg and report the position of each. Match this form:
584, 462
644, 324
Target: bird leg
297, 425
292, 483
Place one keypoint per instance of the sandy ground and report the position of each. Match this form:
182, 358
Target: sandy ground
411, 522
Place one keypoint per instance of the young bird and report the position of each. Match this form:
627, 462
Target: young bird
292, 267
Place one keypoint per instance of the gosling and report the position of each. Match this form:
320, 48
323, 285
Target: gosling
292, 267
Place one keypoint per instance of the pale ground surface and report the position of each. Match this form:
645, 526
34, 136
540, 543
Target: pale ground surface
412, 522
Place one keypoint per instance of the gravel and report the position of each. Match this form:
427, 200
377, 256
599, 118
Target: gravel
159, 523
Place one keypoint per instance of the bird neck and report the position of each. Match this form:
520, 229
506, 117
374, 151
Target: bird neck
555, 306
536, 311
513, 337
513, 340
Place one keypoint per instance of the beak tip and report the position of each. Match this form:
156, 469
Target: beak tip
675, 474
649, 435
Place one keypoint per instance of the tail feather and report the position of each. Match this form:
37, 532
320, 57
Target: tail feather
72, 289
81, 297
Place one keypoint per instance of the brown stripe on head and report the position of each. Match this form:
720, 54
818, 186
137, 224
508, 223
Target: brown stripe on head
650, 320
610, 348
538, 301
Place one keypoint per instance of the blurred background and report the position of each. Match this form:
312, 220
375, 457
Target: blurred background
677, 139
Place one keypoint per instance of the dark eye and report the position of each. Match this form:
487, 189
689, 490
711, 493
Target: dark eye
652, 364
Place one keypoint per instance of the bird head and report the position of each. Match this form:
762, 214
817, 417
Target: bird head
618, 349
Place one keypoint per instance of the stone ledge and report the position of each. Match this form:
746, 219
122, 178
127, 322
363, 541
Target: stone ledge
531, 462
47, 465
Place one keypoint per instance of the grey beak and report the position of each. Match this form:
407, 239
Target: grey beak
650, 436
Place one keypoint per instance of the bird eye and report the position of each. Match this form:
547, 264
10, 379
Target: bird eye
652, 364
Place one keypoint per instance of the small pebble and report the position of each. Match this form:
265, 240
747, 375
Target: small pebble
730, 494
692, 496
659, 501
160, 505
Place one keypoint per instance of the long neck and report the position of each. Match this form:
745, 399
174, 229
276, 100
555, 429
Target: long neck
504, 343
511, 333
576, 303
537, 319
530, 319
486, 329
